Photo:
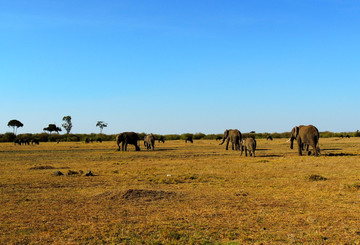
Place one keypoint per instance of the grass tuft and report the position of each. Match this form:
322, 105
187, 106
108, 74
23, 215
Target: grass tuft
316, 177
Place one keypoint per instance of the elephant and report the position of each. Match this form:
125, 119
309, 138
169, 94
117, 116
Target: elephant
149, 141
127, 138
18, 141
269, 138
248, 144
218, 138
189, 139
99, 140
35, 141
305, 136
161, 139
234, 136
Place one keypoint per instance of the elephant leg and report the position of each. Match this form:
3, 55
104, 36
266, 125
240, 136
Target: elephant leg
232, 145
299, 146
315, 150
227, 144
246, 150
318, 149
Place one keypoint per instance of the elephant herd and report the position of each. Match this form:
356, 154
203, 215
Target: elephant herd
26, 141
305, 137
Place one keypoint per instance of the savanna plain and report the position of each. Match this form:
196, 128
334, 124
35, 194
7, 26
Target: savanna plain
180, 194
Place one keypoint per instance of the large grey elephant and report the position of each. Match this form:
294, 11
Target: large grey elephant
234, 136
149, 141
305, 136
248, 145
127, 138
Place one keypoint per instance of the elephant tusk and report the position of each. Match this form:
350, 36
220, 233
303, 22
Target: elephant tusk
288, 140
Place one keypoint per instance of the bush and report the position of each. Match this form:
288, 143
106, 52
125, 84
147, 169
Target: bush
43, 137
55, 137
7, 137
198, 136
184, 136
172, 137
357, 133
73, 138
212, 136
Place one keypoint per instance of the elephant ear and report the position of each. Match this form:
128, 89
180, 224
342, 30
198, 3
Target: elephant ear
295, 131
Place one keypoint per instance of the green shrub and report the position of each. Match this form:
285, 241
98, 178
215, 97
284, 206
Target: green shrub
55, 138
198, 136
7, 137
357, 133
172, 137
184, 136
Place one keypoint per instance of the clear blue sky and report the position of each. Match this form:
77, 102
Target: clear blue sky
180, 66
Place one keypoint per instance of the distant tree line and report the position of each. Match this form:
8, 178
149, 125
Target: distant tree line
47, 137
67, 125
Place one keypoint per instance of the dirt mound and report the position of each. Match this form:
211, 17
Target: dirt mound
147, 195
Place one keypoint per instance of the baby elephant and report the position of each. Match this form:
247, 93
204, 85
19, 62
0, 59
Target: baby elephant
248, 144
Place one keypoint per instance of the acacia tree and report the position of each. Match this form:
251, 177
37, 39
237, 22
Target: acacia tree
52, 128
67, 125
15, 124
101, 125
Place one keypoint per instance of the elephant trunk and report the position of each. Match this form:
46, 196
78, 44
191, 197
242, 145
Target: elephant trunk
291, 143
223, 140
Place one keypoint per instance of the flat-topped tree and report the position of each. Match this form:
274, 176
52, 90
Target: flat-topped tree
52, 128
15, 124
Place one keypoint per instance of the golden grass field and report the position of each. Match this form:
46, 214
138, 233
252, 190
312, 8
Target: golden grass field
179, 194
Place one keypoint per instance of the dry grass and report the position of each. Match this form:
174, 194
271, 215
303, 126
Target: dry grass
179, 194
